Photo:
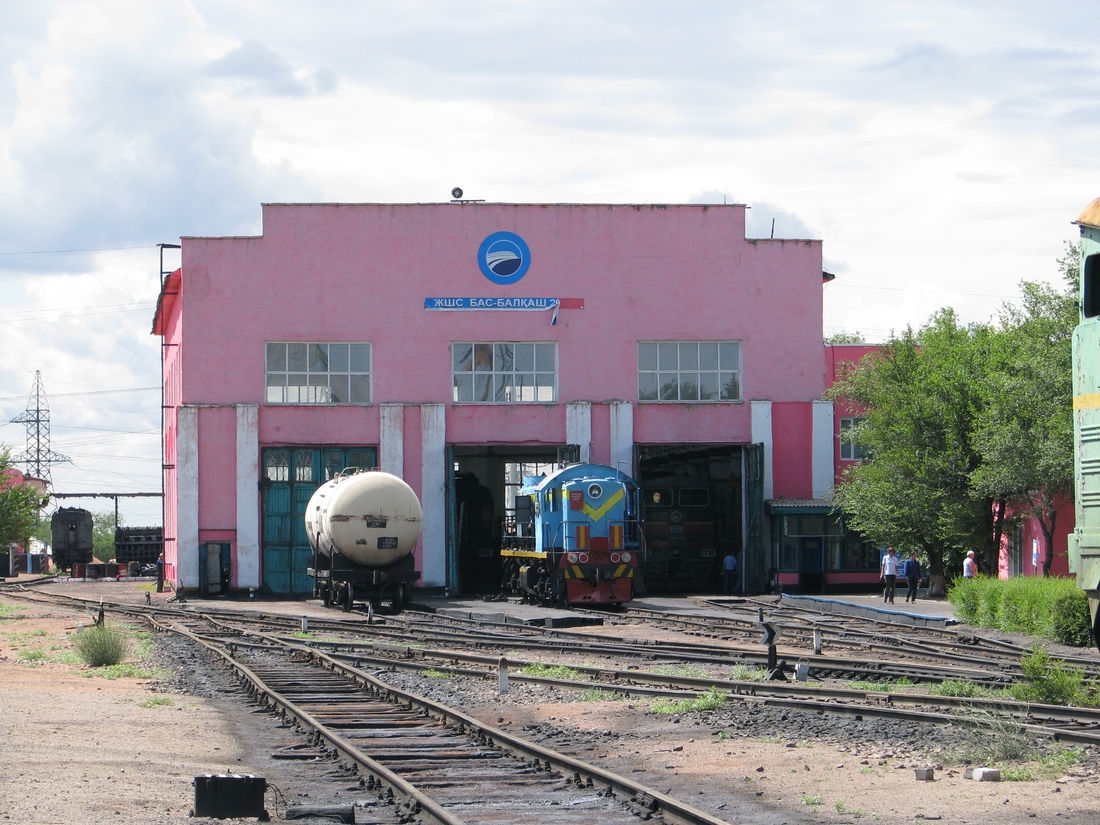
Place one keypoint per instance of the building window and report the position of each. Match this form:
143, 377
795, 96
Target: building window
308, 373
689, 371
850, 448
504, 373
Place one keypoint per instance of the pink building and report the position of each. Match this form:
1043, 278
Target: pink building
461, 346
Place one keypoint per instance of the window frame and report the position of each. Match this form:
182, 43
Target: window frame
502, 372
851, 445
313, 376
689, 362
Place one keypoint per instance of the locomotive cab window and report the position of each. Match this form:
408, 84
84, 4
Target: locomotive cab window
1090, 303
657, 496
694, 497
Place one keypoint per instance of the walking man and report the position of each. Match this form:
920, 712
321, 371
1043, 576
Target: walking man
160, 573
729, 573
912, 576
889, 574
970, 567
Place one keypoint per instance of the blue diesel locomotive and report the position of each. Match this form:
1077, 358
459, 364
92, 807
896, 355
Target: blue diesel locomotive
576, 538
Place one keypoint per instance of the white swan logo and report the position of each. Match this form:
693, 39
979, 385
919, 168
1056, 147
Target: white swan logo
504, 257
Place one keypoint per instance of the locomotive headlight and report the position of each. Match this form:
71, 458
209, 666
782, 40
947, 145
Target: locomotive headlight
584, 558
615, 558
572, 557
625, 556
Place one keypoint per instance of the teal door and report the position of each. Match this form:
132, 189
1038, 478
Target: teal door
291, 474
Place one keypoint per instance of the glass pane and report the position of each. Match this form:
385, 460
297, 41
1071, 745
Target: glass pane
525, 387
303, 465
318, 357
276, 357
708, 386
708, 355
462, 356
318, 389
689, 387
689, 357
502, 357
731, 387
360, 357
666, 357
339, 386
360, 389
647, 356
729, 353
647, 385
276, 465
363, 459
297, 379
669, 387
525, 357
544, 384
544, 357
276, 395
334, 463
483, 387
464, 389
296, 357
483, 357
338, 357
811, 525
502, 388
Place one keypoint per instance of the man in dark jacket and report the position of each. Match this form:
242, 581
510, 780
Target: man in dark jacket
912, 576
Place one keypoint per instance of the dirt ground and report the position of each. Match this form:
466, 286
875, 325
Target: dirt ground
75, 748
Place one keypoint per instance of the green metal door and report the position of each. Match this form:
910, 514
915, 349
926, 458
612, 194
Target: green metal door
291, 474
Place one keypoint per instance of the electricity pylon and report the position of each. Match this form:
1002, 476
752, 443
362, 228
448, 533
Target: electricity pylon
38, 457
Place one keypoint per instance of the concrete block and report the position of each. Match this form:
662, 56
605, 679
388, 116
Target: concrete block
987, 775
925, 774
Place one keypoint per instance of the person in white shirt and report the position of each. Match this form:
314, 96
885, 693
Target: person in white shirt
970, 567
889, 574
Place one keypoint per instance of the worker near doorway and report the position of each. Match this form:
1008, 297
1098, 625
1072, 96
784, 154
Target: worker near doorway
729, 573
160, 573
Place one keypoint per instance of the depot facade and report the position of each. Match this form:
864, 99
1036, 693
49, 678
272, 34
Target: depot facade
462, 345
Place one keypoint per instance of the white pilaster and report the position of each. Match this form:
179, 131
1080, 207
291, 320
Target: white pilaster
578, 427
391, 439
187, 496
433, 495
622, 436
762, 434
248, 495
823, 449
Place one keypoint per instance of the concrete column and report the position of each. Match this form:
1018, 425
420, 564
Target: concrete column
578, 427
822, 468
433, 494
391, 440
622, 436
187, 496
248, 495
762, 434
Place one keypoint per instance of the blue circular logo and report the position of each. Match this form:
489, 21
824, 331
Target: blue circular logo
504, 257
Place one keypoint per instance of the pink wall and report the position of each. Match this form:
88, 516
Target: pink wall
1063, 526
838, 358
792, 432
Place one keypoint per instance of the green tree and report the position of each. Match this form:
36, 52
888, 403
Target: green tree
103, 535
19, 505
921, 394
1025, 432
845, 338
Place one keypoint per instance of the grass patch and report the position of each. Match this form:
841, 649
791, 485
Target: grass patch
124, 670
993, 741
102, 646
690, 671
9, 610
747, 673
541, 671
713, 699
1052, 608
1051, 681
812, 798
432, 673
154, 701
33, 657
598, 695
843, 807
301, 634
963, 690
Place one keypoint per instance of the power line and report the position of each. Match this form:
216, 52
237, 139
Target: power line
69, 251
89, 392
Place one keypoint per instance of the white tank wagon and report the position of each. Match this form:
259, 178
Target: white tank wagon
363, 529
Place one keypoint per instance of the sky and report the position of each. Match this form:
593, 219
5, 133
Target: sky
940, 151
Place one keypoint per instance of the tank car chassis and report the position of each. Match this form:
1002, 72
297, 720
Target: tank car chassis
338, 581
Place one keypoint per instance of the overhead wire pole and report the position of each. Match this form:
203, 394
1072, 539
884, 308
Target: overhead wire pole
38, 457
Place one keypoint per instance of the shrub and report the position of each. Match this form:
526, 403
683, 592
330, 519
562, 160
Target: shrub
1072, 621
99, 646
1052, 682
1049, 607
